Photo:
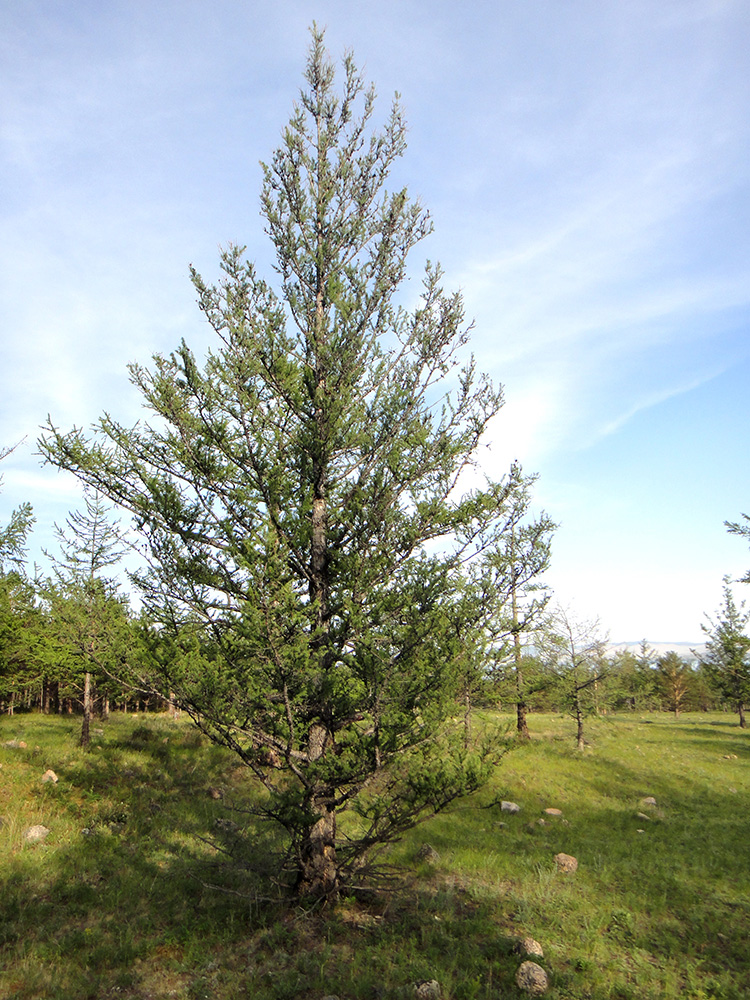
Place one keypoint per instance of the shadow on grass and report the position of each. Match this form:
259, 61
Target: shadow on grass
127, 910
120, 900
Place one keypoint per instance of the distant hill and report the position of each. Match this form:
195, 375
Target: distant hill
687, 650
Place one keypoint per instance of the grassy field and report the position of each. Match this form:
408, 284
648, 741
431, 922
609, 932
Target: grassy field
118, 900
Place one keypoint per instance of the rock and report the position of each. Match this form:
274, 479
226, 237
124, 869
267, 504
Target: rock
49, 776
566, 862
648, 801
428, 853
15, 745
553, 812
510, 807
640, 831
528, 946
501, 826
730, 756
215, 793
532, 979
35, 834
428, 989
541, 822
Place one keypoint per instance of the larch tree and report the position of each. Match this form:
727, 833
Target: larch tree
312, 552
88, 617
741, 528
17, 602
13, 535
674, 681
527, 550
727, 656
574, 650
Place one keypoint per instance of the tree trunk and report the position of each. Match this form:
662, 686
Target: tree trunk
87, 711
467, 714
741, 710
522, 727
580, 741
318, 874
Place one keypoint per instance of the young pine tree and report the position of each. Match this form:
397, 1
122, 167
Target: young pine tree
311, 553
574, 651
727, 657
88, 617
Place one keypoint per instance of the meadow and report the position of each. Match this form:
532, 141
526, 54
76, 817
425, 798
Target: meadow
131, 895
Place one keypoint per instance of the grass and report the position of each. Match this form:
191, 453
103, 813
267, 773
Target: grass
117, 901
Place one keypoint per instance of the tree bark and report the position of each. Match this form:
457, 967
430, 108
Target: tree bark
87, 711
318, 871
318, 875
580, 741
522, 726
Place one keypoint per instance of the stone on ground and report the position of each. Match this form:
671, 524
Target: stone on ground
566, 862
428, 989
35, 834
528, 946
532, 979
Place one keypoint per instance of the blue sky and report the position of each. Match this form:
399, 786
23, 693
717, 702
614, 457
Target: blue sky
587, 168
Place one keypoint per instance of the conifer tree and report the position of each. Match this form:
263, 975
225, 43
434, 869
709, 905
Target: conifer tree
88, 616
727, 657
312, 549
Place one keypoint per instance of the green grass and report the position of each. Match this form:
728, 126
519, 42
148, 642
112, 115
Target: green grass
126, 909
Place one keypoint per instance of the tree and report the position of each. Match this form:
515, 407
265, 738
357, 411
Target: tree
13, 535
89, 617
727, 657
314, 565
575, 651
674, 681
17, 602
527, 550
742, 529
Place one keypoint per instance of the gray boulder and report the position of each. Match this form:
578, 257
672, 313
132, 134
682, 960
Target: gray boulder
566, 862
532, 979
35, 834
428, 989
528, 946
